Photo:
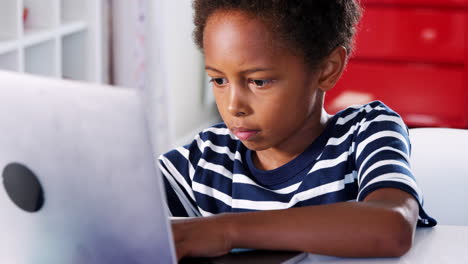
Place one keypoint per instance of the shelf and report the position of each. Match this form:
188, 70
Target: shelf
6, 39
7, 45
59, 38
8, 20
72, 27
34, 36
72, 10
40, 59
9, 61
41, 15
73, 63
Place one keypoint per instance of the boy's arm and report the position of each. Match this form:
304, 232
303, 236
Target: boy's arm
383, 225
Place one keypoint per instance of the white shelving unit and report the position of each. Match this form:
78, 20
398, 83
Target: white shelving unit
57, 38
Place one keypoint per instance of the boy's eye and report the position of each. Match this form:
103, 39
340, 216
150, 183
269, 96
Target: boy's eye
260, 83
219, 81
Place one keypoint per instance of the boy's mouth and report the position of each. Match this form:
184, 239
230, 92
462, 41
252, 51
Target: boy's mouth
244, 133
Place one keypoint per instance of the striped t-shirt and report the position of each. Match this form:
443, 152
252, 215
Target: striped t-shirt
363, 148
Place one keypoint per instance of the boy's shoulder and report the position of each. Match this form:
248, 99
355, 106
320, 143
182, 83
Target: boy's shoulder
371, 118
218, 133
216, 138
208, 144
359, 114
216, 129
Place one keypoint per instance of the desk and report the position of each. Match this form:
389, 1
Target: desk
440, 244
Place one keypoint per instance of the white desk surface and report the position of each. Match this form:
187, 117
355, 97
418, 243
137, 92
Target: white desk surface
440, 244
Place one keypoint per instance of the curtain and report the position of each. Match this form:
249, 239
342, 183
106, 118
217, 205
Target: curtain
133, 63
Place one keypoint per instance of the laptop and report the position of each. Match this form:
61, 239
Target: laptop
79, 179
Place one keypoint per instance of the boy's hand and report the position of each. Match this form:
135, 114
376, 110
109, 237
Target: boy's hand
202, 237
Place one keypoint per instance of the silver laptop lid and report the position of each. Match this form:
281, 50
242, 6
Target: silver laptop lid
100, 199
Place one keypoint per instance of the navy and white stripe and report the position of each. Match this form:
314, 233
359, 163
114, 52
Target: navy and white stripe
363, 148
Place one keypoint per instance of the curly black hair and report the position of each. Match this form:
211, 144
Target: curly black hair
311, 28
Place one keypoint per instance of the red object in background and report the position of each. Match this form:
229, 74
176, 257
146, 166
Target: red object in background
413, 56
25, 14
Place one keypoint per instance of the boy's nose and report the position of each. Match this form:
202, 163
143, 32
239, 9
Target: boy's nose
238, 105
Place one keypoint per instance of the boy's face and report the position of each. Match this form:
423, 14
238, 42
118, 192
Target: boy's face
267, 96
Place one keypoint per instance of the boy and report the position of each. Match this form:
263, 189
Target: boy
279, 172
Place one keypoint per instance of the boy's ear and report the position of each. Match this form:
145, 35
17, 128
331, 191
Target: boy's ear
332, 68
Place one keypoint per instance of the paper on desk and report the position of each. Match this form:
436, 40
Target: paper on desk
306, 258
297, 259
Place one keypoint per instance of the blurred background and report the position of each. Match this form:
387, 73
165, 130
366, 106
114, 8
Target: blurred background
413, 56
410, 54
138, 44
